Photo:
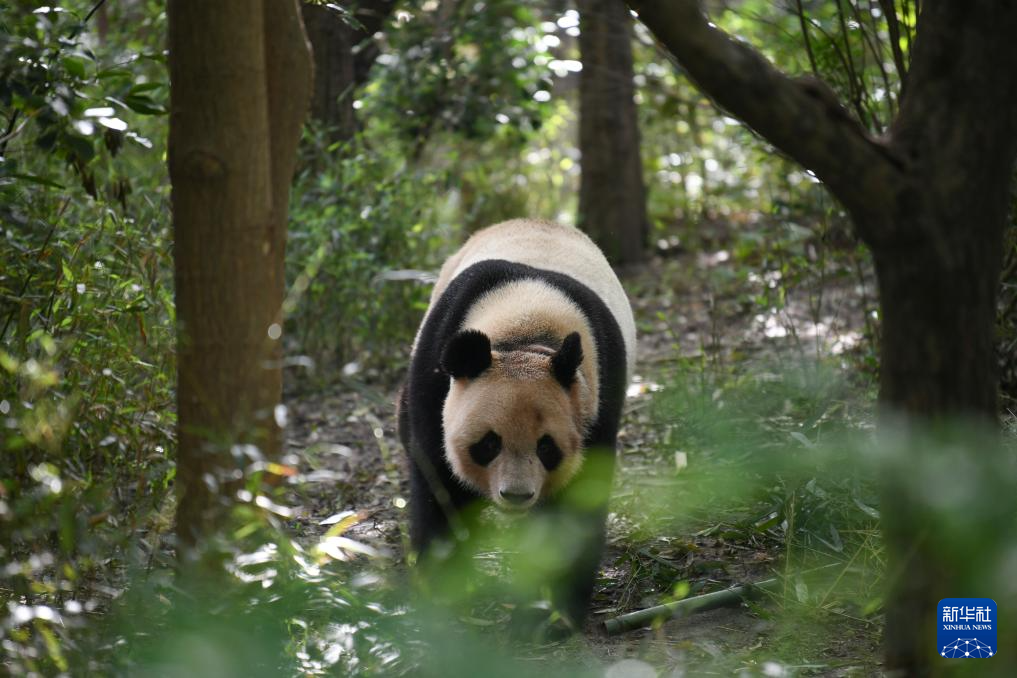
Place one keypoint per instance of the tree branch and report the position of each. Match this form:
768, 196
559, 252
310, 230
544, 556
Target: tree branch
804, 23
889, 10
801, 117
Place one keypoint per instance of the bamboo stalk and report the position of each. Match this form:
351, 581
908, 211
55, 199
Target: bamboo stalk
688, 606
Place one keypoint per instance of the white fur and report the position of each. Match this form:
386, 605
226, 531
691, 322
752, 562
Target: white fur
518, 397
550, 246
527, 306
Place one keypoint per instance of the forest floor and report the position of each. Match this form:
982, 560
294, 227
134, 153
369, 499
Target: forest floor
691, 311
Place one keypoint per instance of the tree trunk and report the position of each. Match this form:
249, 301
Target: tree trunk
937, 363
343, 55
332, 42
938, 275
230, 149
289, 85
371, 16
937, 356
930, 200
612, 196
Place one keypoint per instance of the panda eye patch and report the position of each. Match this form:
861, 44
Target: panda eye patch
486, 449
548, 453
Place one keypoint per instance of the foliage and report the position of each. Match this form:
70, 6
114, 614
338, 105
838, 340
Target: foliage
334, 604
465, 68
357, 254
457, 125
856, 47
714, 185
779, 437
467, 119
58, 90
86, 361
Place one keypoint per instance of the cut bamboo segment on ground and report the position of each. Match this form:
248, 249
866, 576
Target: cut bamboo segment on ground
702, 603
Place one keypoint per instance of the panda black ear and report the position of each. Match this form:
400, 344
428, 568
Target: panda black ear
466, 355
566, 361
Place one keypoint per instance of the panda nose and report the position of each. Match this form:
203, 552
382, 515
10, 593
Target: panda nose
516, 497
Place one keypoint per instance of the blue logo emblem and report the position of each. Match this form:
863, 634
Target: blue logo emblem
967, 628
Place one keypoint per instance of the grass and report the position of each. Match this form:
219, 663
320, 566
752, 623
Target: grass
771, 487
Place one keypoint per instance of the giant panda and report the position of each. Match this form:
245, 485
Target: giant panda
516, 383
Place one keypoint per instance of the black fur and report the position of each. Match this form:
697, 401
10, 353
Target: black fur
437, 497
487, 449
566, 361
548, 453
467, 355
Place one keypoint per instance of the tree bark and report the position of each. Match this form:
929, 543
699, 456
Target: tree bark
343, 55
950, 370
332, 40
371, 15
612, 195
230, 149
289, 85
937, 363
930, 201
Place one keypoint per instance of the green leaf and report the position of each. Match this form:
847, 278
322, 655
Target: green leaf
80, 147
143, 87
76, 66
8, 362
803, 439
114, 73
146, 105
34, 179
801, 591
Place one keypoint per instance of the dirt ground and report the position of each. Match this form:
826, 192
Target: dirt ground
685, 307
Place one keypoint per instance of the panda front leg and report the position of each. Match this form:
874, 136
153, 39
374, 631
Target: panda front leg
441, 520
569, 579
574, 527
436, 505
428, 520
585, 506
435, 498
572, 593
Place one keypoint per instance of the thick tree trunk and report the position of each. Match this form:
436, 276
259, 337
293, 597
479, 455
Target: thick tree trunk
289, 85
938, 266
332, 42
612, 195
343, 55
371, 16
930, 200
937, 366
937, 358
229, 150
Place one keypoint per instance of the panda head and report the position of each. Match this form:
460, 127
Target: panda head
513, 420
